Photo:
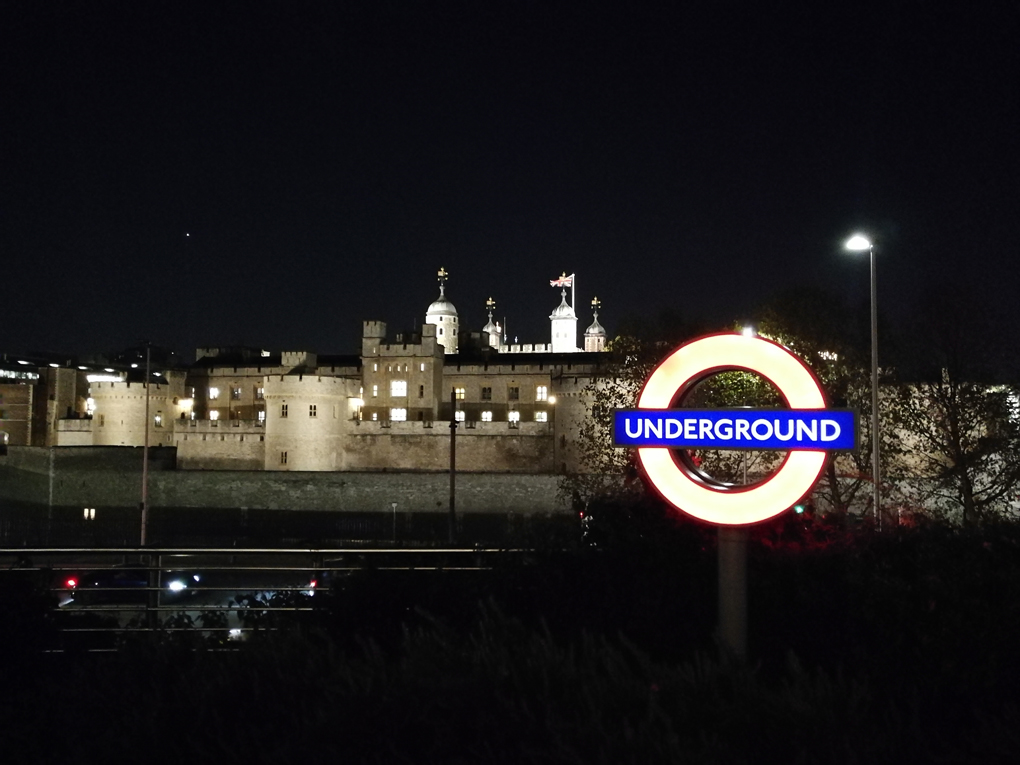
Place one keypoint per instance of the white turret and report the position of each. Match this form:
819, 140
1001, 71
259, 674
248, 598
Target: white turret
564, 327
443, 314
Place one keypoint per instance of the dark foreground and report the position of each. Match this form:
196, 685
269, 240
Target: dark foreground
866, 647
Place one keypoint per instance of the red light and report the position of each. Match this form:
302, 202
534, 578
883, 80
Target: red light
312, 584
71, 583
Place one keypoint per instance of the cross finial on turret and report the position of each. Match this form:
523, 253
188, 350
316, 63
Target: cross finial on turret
490, 304
443, 276
595, 305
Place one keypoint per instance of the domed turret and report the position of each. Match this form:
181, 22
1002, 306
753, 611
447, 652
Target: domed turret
491, 331
443, 314
595, 335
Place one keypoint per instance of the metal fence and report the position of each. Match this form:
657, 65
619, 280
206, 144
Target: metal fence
99, 599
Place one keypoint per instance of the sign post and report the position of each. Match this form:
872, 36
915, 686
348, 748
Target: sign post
807, 431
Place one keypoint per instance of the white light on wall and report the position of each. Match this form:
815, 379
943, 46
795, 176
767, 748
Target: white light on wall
214, 414
104, 378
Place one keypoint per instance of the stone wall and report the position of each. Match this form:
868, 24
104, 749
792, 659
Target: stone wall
111, 477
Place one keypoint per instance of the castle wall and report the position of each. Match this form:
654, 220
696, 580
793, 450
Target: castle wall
220, 445
111, 477
481, 446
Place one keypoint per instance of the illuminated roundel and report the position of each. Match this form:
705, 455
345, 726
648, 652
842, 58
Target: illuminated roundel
678, 481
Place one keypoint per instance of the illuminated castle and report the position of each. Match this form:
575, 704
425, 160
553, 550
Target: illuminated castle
386, 408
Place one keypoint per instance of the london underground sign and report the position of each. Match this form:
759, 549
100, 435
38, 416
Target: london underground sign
807, 429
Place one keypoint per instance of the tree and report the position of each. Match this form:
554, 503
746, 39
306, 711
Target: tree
958, 409
823, 332
607, 471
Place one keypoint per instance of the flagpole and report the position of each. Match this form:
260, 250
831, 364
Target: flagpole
573, 294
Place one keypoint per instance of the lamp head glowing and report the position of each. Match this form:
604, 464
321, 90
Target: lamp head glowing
858, 243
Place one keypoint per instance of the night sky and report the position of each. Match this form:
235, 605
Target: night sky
271, 174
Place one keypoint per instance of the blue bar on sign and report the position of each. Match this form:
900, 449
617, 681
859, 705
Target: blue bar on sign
828, 429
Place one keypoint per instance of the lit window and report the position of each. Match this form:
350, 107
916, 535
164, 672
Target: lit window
375, 391
486, 394
541, 393
459, 416
375, 416
421, 367
398, 415
158, 420
312, 410
398, 387
262, 416
486, 416
541, 417
90, 406
283, 410
283, 458
514, 417
260, 393
375, 367
214, 414
214, 393
513, 393
460, 393
235, 393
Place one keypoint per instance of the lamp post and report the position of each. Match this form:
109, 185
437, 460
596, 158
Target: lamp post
859, 243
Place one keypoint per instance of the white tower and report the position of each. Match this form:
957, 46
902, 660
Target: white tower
443, 314
595, 335
564, 325
491, 331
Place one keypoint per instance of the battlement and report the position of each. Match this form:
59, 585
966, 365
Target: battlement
292, 359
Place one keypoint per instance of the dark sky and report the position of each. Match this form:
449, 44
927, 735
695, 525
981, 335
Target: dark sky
274, 173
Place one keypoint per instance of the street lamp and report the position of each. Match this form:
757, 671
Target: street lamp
859, 243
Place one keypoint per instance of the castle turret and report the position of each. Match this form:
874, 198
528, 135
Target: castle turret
595, 335
491, 331
564, 327
443, 314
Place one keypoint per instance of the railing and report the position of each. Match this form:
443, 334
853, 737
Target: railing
100, 598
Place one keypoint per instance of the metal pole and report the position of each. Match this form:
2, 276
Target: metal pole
453, 464
733, 590
145, 448
875, 431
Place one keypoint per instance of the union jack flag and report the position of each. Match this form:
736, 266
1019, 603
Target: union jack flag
563, 281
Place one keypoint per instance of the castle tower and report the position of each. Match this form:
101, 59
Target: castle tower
443, 314
595, 335
491, 331
563, 319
